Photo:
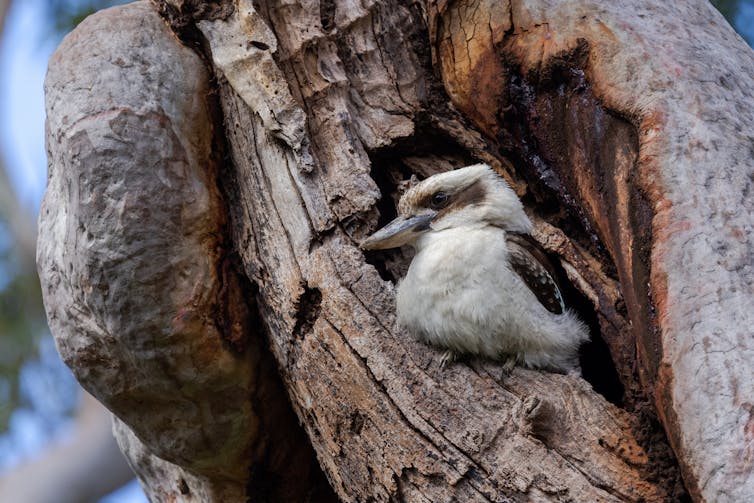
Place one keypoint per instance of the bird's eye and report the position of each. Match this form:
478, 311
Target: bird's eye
439, 199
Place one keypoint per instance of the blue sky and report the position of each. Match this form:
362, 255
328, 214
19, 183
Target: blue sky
24, 50
23, 63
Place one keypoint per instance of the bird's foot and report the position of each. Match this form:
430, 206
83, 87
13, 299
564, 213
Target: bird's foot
532, 407
508, 365
447, 358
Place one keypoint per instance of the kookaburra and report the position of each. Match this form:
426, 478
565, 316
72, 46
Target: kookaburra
479, 283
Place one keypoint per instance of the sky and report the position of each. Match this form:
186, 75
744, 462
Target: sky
24, 50
23, 63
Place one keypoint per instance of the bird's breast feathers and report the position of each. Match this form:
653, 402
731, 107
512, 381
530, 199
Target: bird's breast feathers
462, 293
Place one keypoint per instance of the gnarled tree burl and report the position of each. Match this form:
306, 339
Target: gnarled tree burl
214, 165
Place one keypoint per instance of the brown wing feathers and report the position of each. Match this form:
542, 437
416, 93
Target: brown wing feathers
532, 265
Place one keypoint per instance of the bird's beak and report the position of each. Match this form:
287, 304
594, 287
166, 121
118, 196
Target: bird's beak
397, 233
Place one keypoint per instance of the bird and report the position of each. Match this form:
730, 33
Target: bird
479, 283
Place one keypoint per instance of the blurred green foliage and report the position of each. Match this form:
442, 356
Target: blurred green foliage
22, 318
66, 14
22, 321
728, 8
740, 14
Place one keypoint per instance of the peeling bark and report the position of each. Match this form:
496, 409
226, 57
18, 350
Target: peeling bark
297, 124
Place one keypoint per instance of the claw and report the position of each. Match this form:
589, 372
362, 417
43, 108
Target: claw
532, 407
508, 365
447, 358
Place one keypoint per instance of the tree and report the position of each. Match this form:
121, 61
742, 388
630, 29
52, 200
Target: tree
207, 194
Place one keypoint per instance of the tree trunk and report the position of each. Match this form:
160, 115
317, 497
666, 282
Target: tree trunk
201, 270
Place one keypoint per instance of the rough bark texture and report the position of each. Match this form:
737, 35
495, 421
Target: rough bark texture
137, 275
639, 119
622, 133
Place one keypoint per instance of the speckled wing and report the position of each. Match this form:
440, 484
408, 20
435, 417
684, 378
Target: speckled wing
531, 264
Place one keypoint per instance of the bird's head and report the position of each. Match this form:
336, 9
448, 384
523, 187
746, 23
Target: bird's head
470, 196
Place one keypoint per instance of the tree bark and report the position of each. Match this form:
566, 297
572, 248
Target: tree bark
199, 245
